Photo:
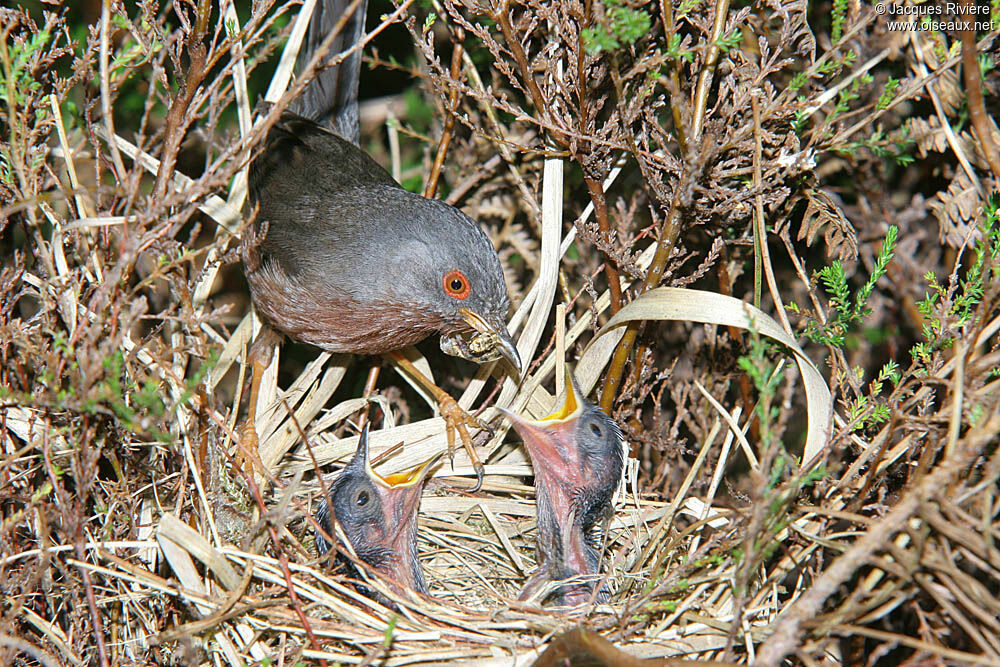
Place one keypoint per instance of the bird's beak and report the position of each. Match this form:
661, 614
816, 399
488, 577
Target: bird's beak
492, 340
551, 440
408, 479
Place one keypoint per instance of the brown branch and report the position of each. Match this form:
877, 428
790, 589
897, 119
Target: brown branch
671, 226
177, 117
974, 91
596, 189
501, 16
708, 70
76, 524
785, 638
595, 186
667, 16
283, 562
664, 247
449, 121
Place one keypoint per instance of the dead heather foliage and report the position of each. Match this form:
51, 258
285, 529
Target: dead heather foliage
798, 156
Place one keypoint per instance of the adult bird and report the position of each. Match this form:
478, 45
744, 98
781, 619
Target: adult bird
339, 255
379, 517
577, 454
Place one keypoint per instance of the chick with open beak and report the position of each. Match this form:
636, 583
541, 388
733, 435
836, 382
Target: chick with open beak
379, 517
577, 454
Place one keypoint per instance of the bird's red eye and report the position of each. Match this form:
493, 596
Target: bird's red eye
456, 285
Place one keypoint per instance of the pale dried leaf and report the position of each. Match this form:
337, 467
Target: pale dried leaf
956, 209
511, 274
823, 213
670, 303
795, 26
931, 137
523, 243
950, 91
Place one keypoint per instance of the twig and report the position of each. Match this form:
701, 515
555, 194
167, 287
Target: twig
283, 562
664, 247
949, 133
708, 70
763, 259
671, 225
786, 638
38, 654
449, 120
974, 91
178, 118
107, 116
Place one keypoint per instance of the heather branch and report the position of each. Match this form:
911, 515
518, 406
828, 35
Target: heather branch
594, 185
708, 69
664, 247
974, 91
671, 225
502, 16
785, 638
449, 120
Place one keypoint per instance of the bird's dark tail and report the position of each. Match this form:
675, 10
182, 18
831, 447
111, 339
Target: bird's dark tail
331, 99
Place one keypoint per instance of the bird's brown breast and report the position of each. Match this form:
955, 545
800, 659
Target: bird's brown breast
334, 321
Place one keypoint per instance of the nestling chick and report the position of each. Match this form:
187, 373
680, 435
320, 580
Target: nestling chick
577, 454
379, 517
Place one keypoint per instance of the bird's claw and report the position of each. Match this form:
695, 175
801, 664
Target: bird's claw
457, 419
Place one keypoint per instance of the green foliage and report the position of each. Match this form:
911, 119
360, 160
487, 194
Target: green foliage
942, 310
846, 310
674, 50
624, 26
761, 370
848, 95
757, 363
823, 70
798, 81
888, 147
140, 409
390, 630
838, 20
888, 94
729, 42
686, 7
20, 72
799, 122
419, 111
866, 410
986, 248
987, 63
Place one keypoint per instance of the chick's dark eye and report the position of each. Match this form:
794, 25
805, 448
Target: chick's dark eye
361, 499
596, 429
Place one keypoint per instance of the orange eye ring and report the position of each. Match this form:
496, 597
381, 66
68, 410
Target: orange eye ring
456, 285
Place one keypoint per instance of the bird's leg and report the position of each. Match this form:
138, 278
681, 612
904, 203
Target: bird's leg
259, 356
455, 418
